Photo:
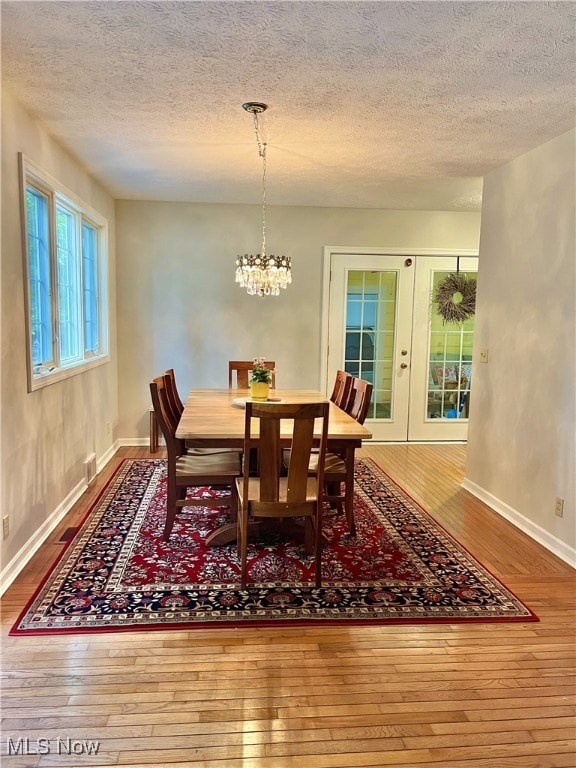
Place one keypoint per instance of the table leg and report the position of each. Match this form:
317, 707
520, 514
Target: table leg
349, 490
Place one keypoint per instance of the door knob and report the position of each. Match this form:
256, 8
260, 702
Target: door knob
404, 352
403, 365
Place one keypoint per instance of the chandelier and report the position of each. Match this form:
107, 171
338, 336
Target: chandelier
263, 274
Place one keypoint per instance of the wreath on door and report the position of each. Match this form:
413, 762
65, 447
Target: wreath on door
455, 297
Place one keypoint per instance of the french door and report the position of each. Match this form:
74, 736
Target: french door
381, 324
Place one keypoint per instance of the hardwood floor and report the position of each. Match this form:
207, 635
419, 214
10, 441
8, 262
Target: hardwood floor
496, 695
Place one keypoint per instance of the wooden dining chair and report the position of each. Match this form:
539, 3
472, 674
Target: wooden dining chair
336, 469
177, 408
239, 373
172, 392
358, 402
271, 494
338, 466
342, 386
190, 470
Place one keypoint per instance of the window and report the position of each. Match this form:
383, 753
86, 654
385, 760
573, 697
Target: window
65, 255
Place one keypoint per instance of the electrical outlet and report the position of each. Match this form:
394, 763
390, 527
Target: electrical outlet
107, 427
559, 509
484, 355
6, 527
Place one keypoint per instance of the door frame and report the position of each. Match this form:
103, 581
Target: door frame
333, 250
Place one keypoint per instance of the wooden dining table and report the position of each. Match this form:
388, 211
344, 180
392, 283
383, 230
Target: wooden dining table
215, 417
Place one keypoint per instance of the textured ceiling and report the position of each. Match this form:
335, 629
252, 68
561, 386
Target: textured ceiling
372, 104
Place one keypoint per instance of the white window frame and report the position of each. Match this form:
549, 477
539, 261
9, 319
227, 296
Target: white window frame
51, 371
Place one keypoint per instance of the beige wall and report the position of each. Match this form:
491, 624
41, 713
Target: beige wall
521, 448
45, 435
178, 304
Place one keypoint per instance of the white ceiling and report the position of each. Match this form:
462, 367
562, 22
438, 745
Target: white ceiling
371, 104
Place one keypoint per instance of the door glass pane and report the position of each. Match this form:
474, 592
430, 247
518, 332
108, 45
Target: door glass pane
449, 364
370, 328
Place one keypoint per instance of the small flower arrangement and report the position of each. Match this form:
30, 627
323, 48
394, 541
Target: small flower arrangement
260, 372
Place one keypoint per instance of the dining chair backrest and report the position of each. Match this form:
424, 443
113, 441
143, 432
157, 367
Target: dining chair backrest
267, 438
167, 419
342, 387
172, 392
359, 400
177, 408
239, 373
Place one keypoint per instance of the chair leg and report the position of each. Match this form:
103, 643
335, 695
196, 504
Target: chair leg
234, 505
239, 533
333, 490
173, 493
318, 545
243, 544
349, 491
309, 536
170, 517
334, 494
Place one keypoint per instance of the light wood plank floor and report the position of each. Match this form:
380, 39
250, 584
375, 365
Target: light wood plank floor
472, 696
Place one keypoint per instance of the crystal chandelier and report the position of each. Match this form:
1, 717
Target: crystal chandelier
262, 275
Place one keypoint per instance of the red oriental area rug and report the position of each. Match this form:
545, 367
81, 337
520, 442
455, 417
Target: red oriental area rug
118, 574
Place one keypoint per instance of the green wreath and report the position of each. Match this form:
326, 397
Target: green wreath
455, 296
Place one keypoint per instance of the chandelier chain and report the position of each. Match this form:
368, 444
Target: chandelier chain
262, 153
262, 275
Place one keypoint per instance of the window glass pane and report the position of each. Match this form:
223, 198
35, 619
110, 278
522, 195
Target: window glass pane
68, 293
39, 276
90, 288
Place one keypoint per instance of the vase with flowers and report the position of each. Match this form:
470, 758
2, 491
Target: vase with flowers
260, 379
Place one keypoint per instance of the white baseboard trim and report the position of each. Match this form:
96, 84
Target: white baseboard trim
18, 562
368, 443
133, 441
29, 549
138, 441
536, 532
105, 458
